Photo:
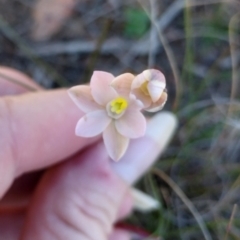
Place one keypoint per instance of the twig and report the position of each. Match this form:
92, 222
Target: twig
230, 221
185, 200
112, 45
233, 37
93, 58
153, 40
230, 195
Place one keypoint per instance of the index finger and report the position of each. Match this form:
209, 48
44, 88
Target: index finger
37, 130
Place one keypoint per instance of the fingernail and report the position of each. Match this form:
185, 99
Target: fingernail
143, 152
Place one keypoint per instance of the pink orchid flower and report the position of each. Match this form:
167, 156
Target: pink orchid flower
116, 114
149, 87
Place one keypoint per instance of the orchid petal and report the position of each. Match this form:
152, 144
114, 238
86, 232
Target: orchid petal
81, 96
155, 89
115, 143
132, 124
154, 75
122, 83
138, 81
147, 74
155, 83
146, 100
159, 104
134, 103
155, 109
92, 124
102, 92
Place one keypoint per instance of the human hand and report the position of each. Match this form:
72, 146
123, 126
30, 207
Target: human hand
81, 193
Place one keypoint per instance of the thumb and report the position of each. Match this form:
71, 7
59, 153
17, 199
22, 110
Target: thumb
79, 199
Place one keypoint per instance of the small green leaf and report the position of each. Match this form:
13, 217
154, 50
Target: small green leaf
136, 22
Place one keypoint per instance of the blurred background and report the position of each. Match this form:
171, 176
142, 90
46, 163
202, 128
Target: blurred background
196, 44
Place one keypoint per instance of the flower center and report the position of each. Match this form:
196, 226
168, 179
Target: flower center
116, 108
145, 89
118, 105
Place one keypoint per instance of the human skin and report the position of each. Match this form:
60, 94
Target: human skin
55, 185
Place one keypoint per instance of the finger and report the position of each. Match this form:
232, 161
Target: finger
143, 152
13, 82
37, 130
79, 199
